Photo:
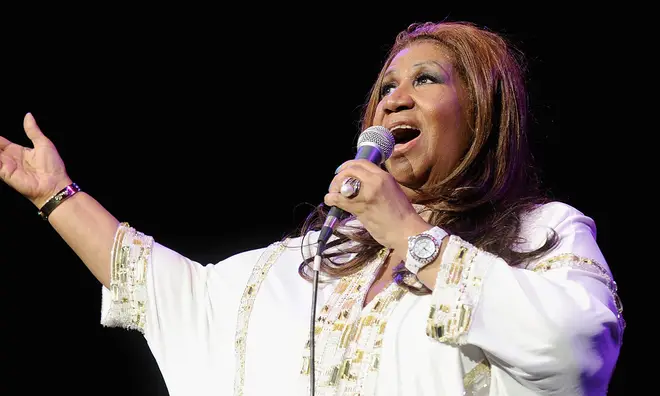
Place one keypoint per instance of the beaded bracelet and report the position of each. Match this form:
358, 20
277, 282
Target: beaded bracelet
55, 201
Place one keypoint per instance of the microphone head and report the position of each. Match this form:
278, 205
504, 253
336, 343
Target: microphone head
379, 137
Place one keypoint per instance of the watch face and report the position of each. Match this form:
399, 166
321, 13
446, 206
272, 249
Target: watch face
424, 247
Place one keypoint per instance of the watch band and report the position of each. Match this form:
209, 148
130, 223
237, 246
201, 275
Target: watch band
414, 262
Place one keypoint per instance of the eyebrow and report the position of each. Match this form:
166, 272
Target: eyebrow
416, 65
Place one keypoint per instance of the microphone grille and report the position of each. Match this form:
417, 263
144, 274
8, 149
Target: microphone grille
380, 137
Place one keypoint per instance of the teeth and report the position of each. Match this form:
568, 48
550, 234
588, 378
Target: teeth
403, 127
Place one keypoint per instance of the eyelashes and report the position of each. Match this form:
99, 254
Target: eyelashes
421, 79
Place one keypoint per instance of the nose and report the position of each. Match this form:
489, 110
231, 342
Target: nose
398, 100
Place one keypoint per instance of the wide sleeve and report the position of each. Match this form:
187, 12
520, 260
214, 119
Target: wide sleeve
177, 303
170, 293
554, 326
189, 313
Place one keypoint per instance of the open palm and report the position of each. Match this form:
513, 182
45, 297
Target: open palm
36, 173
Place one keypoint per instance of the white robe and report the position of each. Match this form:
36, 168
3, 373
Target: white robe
240, 326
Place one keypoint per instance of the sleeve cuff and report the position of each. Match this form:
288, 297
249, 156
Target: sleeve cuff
124, 303
457, 290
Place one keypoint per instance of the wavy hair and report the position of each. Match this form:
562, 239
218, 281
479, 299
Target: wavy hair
486, 195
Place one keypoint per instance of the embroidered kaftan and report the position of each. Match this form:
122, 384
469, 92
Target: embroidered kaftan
241, 326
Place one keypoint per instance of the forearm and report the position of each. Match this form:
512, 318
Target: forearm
89, 229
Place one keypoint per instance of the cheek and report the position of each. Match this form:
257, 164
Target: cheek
447, 113
450, 122
450, 139
379, 114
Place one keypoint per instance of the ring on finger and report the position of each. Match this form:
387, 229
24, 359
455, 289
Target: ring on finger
350, 187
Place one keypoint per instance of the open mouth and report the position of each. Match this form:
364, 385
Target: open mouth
405, 135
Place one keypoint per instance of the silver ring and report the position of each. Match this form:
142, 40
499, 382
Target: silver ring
350, 187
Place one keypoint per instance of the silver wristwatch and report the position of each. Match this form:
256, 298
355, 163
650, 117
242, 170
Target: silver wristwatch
424, 248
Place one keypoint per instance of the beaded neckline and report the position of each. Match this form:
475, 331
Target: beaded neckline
348, 337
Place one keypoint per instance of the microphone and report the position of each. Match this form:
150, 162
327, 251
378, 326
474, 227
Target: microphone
375, 144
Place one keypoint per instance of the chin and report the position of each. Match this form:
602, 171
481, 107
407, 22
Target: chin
405, 175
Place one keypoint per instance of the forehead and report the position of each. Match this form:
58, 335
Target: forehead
420, 53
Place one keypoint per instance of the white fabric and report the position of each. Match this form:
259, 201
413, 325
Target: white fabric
537, 329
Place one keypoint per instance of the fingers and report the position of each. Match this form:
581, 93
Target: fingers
368, 180
366, 171
358, 172
32, 130
4, 143
363, 163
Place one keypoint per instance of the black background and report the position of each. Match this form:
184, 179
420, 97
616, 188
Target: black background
216, 130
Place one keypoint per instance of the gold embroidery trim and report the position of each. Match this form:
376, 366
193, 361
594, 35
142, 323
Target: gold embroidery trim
245, 309
349, 339
455, 295
130, 256
586, 264
477, 376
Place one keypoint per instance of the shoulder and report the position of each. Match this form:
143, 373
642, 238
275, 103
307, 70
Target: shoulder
553, 213
557, 217
556, 214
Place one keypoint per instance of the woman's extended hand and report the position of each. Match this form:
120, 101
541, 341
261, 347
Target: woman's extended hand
37, 173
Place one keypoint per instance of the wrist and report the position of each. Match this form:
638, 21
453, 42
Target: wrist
429, 274
424, 249
58, 199
41, 200
414, 228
